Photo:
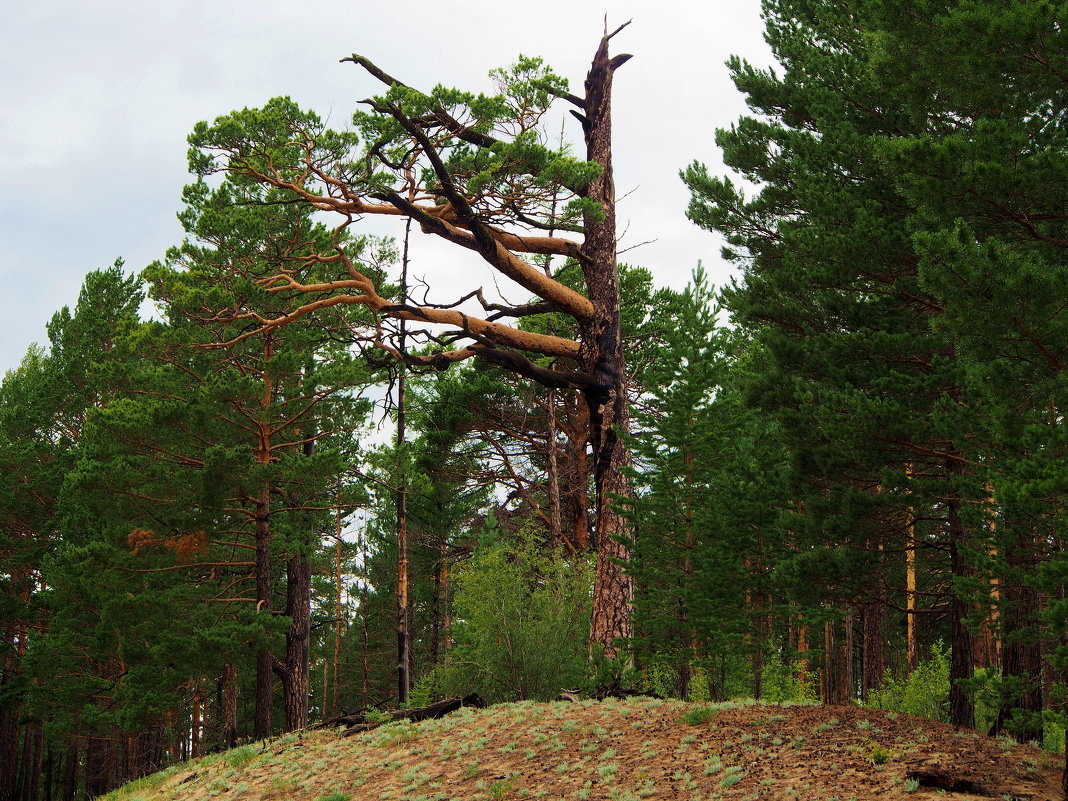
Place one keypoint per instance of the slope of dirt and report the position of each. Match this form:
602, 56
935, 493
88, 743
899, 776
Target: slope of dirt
620, 750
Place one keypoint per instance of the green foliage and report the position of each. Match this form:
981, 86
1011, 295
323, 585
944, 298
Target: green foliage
522, 618
924, 692
781, 683
699, 715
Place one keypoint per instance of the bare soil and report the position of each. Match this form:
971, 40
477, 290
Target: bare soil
621, 750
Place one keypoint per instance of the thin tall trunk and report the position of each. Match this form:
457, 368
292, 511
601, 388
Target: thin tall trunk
366, 632
403, 647
446, 620
873, 623
847, 674
828, 682
686, 639
229, 704
335, 699
262, 724
912, 642
195, 729
962, 661
437, 608
553, 477
913, 647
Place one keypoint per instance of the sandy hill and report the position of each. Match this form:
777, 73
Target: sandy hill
623, 750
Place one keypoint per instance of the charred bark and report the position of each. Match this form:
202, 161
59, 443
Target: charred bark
602, 359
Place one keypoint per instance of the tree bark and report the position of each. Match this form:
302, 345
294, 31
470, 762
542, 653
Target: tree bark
602, 358
262, 725
575, 503
294, 675
874, 655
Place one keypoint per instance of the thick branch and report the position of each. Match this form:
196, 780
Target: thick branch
519, 364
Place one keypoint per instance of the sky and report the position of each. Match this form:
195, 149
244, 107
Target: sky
98, 98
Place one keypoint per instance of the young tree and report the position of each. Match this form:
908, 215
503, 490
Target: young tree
474, 171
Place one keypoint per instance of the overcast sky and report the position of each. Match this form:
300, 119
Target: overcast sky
98, 98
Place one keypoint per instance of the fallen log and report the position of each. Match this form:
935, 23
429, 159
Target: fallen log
437, 710
342, 720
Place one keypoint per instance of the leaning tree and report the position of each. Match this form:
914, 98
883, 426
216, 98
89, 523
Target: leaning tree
477, 171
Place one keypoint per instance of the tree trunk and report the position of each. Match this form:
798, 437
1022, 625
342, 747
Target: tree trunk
552, 472
294, 674
32, 755
873, 617
828, 682
262, 726
195, 745
9, 744
873, 624
602, 356
96, 767
229, 704
338, 584
962, 661
403, 647
575, 504
911, 640
70, 769
912, 644
847, 675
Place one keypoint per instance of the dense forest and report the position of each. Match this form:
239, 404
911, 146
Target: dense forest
310, 484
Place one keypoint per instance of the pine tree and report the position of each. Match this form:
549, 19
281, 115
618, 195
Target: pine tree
863, 386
